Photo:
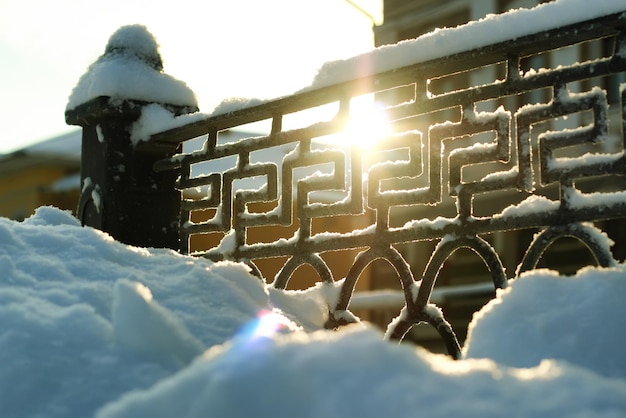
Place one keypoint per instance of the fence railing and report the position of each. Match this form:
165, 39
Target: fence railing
539, 146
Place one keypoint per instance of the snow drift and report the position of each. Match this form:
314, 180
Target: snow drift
93, 327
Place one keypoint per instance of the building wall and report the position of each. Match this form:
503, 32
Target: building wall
25, 189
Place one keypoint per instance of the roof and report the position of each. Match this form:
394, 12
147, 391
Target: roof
64, 151
67, 145
59, 151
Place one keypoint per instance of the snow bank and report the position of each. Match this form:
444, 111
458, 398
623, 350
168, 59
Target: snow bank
579, 319
355, 374
86, 319
130, 68
92, 327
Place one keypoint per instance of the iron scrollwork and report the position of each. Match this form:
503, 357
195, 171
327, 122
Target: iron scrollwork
434, 159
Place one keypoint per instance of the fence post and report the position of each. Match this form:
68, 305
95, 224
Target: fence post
121, 193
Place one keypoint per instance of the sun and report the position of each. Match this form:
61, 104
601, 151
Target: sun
367, 125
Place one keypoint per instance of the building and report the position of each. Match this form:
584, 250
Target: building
47, 173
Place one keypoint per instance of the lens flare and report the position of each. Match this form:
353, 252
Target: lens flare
265, 325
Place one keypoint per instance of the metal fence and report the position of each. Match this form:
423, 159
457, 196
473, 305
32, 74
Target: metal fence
535, 147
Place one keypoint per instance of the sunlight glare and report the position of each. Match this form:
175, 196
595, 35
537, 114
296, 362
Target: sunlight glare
367, 125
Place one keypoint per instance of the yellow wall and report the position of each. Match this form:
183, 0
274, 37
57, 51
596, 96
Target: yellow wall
21, 192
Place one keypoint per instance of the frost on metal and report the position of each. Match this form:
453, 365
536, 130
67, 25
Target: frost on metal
538, 148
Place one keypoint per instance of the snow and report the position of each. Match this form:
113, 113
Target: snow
65, 184
228, 244
93, 327
532, 204
576, 319
155, 118
97, 197
63, 146
574, 198
223, 383
233, 104
130, 68
578, 200
448, 41
78, 307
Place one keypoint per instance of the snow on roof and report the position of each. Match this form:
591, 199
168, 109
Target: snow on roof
63, 150
93, 327
68, 145
131, 68
67, 183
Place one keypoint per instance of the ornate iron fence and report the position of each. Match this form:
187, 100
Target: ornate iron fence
502, 144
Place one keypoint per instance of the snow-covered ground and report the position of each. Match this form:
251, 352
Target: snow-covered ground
93, 327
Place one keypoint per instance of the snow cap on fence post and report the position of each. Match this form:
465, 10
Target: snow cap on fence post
121, 193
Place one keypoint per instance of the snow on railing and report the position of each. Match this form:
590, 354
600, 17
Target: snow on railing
459, 163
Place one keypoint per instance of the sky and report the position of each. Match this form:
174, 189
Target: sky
226, 49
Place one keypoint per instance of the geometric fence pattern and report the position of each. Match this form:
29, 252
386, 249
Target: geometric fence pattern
525, 153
